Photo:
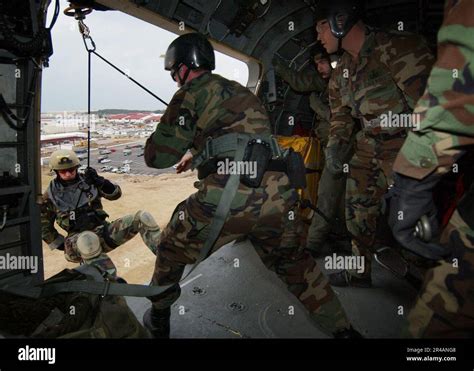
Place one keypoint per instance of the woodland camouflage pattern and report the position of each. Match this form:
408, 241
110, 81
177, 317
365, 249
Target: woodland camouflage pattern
120, 230
445, 307
213, 106
50, 213
305, 81
389, 75
331, 188
207, 106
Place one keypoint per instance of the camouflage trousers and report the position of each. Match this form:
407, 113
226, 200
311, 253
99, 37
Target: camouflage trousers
265, 216
370, 175
445, 305
331, 190
111, 235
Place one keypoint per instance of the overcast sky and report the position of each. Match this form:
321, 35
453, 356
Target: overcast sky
131, 44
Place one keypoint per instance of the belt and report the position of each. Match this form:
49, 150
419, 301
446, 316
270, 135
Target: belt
211, 167
370, 124
386, 136
378, 122
227, 145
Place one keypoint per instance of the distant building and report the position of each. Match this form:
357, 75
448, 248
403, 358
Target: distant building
134, 118
65, 122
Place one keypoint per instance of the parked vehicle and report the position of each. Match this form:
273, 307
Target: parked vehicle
105, 151
80, 150
106, 169
127, 152
105, 161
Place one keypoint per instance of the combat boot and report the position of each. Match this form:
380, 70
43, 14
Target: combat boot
348, 333
344, 279
157, 321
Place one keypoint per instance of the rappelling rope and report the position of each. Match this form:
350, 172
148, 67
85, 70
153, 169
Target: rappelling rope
79, 14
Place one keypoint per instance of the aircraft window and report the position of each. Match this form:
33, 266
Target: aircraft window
232, 68
135, 46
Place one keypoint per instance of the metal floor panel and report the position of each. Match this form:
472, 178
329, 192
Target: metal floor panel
219, 300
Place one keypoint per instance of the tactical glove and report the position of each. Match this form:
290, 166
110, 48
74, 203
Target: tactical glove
92, 178
333, 159
410, 200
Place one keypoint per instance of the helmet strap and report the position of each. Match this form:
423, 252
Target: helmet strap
182, 81
339, 51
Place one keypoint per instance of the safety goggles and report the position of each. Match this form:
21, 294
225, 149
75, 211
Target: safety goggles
70, 170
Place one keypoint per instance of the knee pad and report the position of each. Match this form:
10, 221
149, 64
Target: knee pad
146, 220
88, 245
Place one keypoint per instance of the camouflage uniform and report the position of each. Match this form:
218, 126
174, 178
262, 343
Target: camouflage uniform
67, 204
389, 75
331, 188
445, 306
310, 81
210, 105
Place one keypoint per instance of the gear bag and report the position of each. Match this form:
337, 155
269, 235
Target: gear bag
75, 303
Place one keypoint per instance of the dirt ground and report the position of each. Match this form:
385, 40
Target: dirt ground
157, 194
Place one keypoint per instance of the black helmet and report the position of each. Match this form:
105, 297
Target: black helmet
342, 15
193, 50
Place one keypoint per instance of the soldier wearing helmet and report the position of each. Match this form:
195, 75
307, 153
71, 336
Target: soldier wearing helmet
379, 77
218, 120
74, 202
331, 187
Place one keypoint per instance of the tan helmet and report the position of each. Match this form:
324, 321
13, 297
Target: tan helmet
88, 245
63, 159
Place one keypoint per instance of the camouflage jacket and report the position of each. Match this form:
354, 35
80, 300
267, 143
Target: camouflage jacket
67, 205
207, 106
309, 80
389, 75
447, 106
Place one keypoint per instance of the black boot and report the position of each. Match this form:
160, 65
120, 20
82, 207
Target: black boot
344, 279
348, 333
157, 321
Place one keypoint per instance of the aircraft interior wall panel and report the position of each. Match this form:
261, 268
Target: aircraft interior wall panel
8, 90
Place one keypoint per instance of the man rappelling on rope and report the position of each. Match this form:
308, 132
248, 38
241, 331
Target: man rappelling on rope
74, 202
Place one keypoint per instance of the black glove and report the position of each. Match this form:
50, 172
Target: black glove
333, 159
92, 178
410, 200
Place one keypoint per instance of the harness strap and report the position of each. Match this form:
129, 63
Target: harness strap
227, 196
227, 145
97, 287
